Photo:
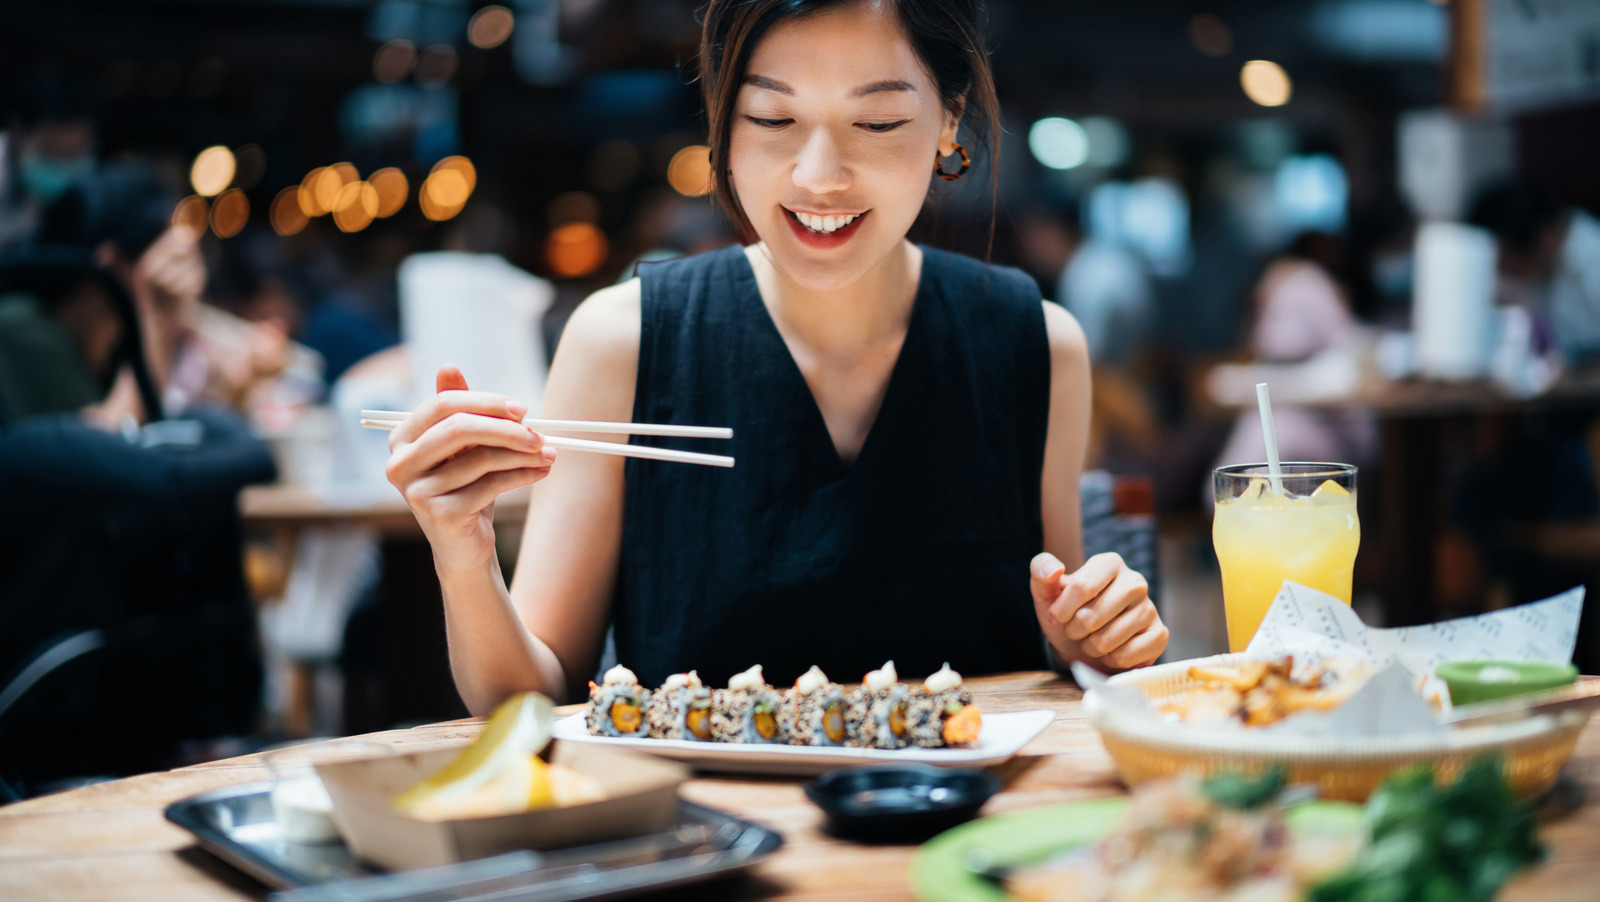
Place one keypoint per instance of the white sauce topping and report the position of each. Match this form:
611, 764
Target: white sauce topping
690, 680
750, 679
943, 681
620, 675
811, 680
1494, 673
882, 678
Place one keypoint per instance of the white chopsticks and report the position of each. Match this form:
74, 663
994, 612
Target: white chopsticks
389, 419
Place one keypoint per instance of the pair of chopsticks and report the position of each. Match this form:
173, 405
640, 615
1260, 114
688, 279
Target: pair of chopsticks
389, 419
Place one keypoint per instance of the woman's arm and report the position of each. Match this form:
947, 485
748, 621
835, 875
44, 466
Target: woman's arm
1099, 609
462, 449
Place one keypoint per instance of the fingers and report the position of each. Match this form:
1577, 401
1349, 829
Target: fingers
1144, 648
1133, 620
456, 401
481, 494
476, 463
1083, 587
1045, 572
450, 378
1126, 589
455, 434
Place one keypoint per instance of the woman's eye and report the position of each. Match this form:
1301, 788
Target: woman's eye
881, 127
769, 123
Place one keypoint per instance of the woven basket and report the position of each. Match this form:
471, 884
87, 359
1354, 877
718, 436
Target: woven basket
1144, 748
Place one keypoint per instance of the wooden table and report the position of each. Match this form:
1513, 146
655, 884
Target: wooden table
111, 842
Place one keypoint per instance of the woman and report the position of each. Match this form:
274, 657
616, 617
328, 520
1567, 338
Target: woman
909, 424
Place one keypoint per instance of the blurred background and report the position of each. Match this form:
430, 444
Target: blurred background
225, 229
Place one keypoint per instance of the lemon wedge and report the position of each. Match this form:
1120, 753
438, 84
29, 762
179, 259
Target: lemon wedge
1330, 487
497, 774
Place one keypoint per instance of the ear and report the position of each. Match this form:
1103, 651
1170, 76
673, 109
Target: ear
952, 122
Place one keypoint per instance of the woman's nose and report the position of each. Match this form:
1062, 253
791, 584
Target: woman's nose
820, 168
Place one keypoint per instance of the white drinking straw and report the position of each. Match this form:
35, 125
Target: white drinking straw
1270, 436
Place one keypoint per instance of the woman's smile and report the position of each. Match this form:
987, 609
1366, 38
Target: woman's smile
823, 230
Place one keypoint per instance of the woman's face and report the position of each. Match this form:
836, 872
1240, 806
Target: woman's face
835, 119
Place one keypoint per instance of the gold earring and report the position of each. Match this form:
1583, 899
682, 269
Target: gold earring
966, 161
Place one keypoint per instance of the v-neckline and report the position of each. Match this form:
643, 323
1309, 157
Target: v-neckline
820, 422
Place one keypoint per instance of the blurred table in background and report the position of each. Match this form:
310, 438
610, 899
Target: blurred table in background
411, 665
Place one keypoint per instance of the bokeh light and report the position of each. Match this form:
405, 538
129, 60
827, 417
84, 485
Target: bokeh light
330, 182
250, 165
1210, 35
212, 171
446, 188
689, 172
573, 206
308, 193
189, 218
490, 27
436, 65
355, 207
461, 165
393, 61
1266, 83
229, 213
576, 249
392, 189
286, 215
1059, 143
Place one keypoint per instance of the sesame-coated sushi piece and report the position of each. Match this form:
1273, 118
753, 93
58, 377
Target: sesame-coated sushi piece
616, 706
941, 712
680, 709
813, 711
746, 711
876, 715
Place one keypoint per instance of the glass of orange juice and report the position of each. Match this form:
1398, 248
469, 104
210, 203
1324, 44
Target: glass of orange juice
1309, 534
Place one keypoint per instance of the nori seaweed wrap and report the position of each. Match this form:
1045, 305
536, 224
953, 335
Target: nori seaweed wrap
813, 711
746, 711
617, 705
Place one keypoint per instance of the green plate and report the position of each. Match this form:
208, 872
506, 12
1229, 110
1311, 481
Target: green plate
939, 871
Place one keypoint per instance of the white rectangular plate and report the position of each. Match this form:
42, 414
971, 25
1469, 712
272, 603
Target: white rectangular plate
1002, 736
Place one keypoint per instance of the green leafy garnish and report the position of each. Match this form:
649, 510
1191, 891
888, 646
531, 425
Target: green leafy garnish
1243, 791
1455, 843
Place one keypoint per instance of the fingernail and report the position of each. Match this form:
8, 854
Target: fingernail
1046, 566
517, 409
549, 453
535, 439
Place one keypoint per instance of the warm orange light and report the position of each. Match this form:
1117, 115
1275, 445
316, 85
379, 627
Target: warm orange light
212, 171
331, 181
287, 216
576, 249
689, 173
1265, 82
229, 213
461, 165
356, 204
393, 61
189, 218
446, 188
392, 188
308, 193
490, 27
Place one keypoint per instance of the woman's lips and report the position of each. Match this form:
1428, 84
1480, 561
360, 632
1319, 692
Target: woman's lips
823, 240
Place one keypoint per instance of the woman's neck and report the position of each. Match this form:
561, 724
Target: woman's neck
847, 321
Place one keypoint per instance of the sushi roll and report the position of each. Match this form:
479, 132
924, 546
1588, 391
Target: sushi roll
876, 715
746, 711
617, 705
813, 712
941, 712
680, 709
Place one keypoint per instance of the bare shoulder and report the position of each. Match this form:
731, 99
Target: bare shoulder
1069, 349
606, 325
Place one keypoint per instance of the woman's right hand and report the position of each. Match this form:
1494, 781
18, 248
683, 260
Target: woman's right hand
454, 456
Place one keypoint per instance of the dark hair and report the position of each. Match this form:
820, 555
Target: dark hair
1514, 212
123, 203
946, 35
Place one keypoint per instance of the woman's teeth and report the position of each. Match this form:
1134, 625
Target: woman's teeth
824, 223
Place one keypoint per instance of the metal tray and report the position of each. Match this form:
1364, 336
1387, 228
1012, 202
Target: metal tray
236, 825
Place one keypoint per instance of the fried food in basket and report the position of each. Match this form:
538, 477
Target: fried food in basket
1258, 693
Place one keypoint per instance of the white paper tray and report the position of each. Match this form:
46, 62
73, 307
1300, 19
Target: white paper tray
1002, 736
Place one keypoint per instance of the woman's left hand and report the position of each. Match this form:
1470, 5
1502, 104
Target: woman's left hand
1101, 614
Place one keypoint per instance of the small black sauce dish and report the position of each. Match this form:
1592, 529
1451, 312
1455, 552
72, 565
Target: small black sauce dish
899, 802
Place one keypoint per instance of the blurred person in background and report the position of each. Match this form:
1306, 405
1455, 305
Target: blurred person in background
1298, 312
1549, 261
910, 424
48, 147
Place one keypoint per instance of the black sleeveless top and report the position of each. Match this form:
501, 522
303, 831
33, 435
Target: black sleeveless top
918, 551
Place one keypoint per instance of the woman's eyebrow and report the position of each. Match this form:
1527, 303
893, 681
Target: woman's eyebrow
877, 87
